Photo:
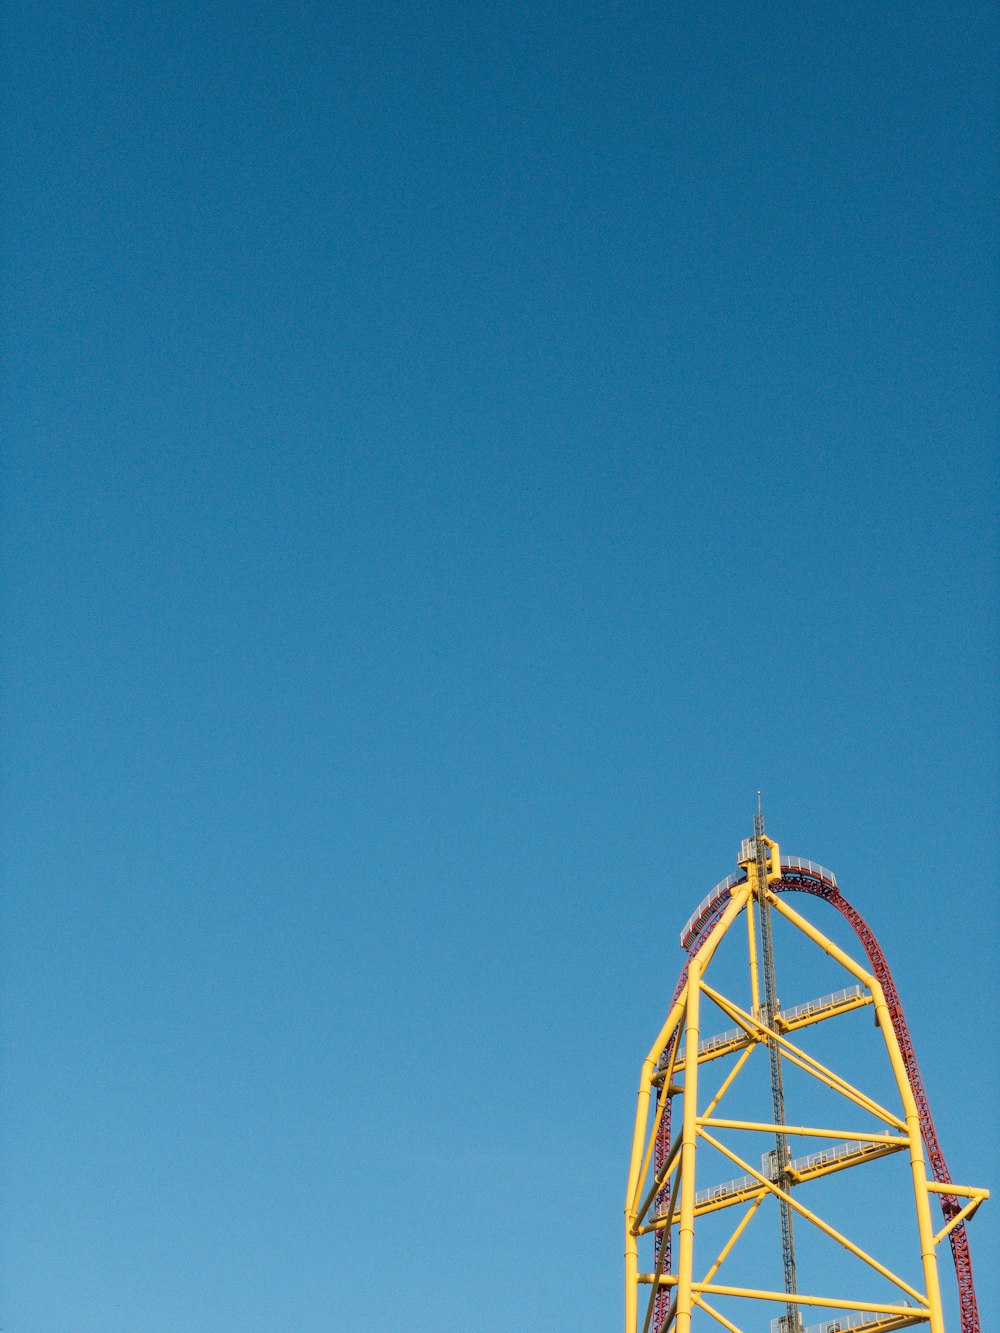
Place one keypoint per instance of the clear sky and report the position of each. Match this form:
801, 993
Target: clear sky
454, 455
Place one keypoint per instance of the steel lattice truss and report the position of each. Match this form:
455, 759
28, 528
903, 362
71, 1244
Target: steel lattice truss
662, 1200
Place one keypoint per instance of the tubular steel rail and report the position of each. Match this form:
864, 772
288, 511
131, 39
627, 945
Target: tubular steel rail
792, 878
799, 875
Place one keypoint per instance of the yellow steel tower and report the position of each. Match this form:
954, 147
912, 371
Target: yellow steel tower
683, 1132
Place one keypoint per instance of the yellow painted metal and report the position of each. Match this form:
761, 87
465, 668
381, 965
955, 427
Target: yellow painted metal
670, 1315
667, 1076
683, 1021
849, 1136
978, 1197
685, 1238
657, 1184
719, 1318
841, 1085
740, 1228
819, 1015
729, 1080
728, 1048
803, 1061
894, 1316
918, 1165
816, 1220
774, 864
781, 1024
635, 1180
865, 1152
756, 1293
732, 911
773, 861
961, 1191
645, 1087
891, 1323
752, 953
667, 1222
740, 1194
818, 938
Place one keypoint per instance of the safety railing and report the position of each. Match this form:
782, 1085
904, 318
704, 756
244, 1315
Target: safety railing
849, 1149
811, 868
823, 1002
723, 1191
768, 1167
842, 1324
720, 1039
704, 909
788, 863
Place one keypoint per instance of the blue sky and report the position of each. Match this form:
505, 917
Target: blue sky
452, 459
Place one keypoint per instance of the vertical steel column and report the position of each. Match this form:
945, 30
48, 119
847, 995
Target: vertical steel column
631, 1247
685, 1238
739, 899
752, 951
918, 1166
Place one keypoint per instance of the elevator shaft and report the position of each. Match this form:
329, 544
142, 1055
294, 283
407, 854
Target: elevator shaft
769, 1010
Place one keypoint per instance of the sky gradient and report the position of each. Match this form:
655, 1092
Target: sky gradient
452, 458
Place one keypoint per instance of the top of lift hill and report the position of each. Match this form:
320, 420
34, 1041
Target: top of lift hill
789, 865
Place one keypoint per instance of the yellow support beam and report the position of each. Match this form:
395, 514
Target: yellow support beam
685, 1237
657, 1184
667, 1220
736, 904
719, 1318
754, 967
651, 1306
829, 1166
729, 1048
727, 1084
783, 1298
961, 1191
918, 1165
980, 1197
728, 1200
849, 1136
803, 1061
899, 1129
816, 1220
741, 1227
819, 1015
664, 1098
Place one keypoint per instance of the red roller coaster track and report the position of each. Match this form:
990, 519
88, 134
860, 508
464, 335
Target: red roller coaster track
797, 879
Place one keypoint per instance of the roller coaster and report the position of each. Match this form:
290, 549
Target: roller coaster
664, 1205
